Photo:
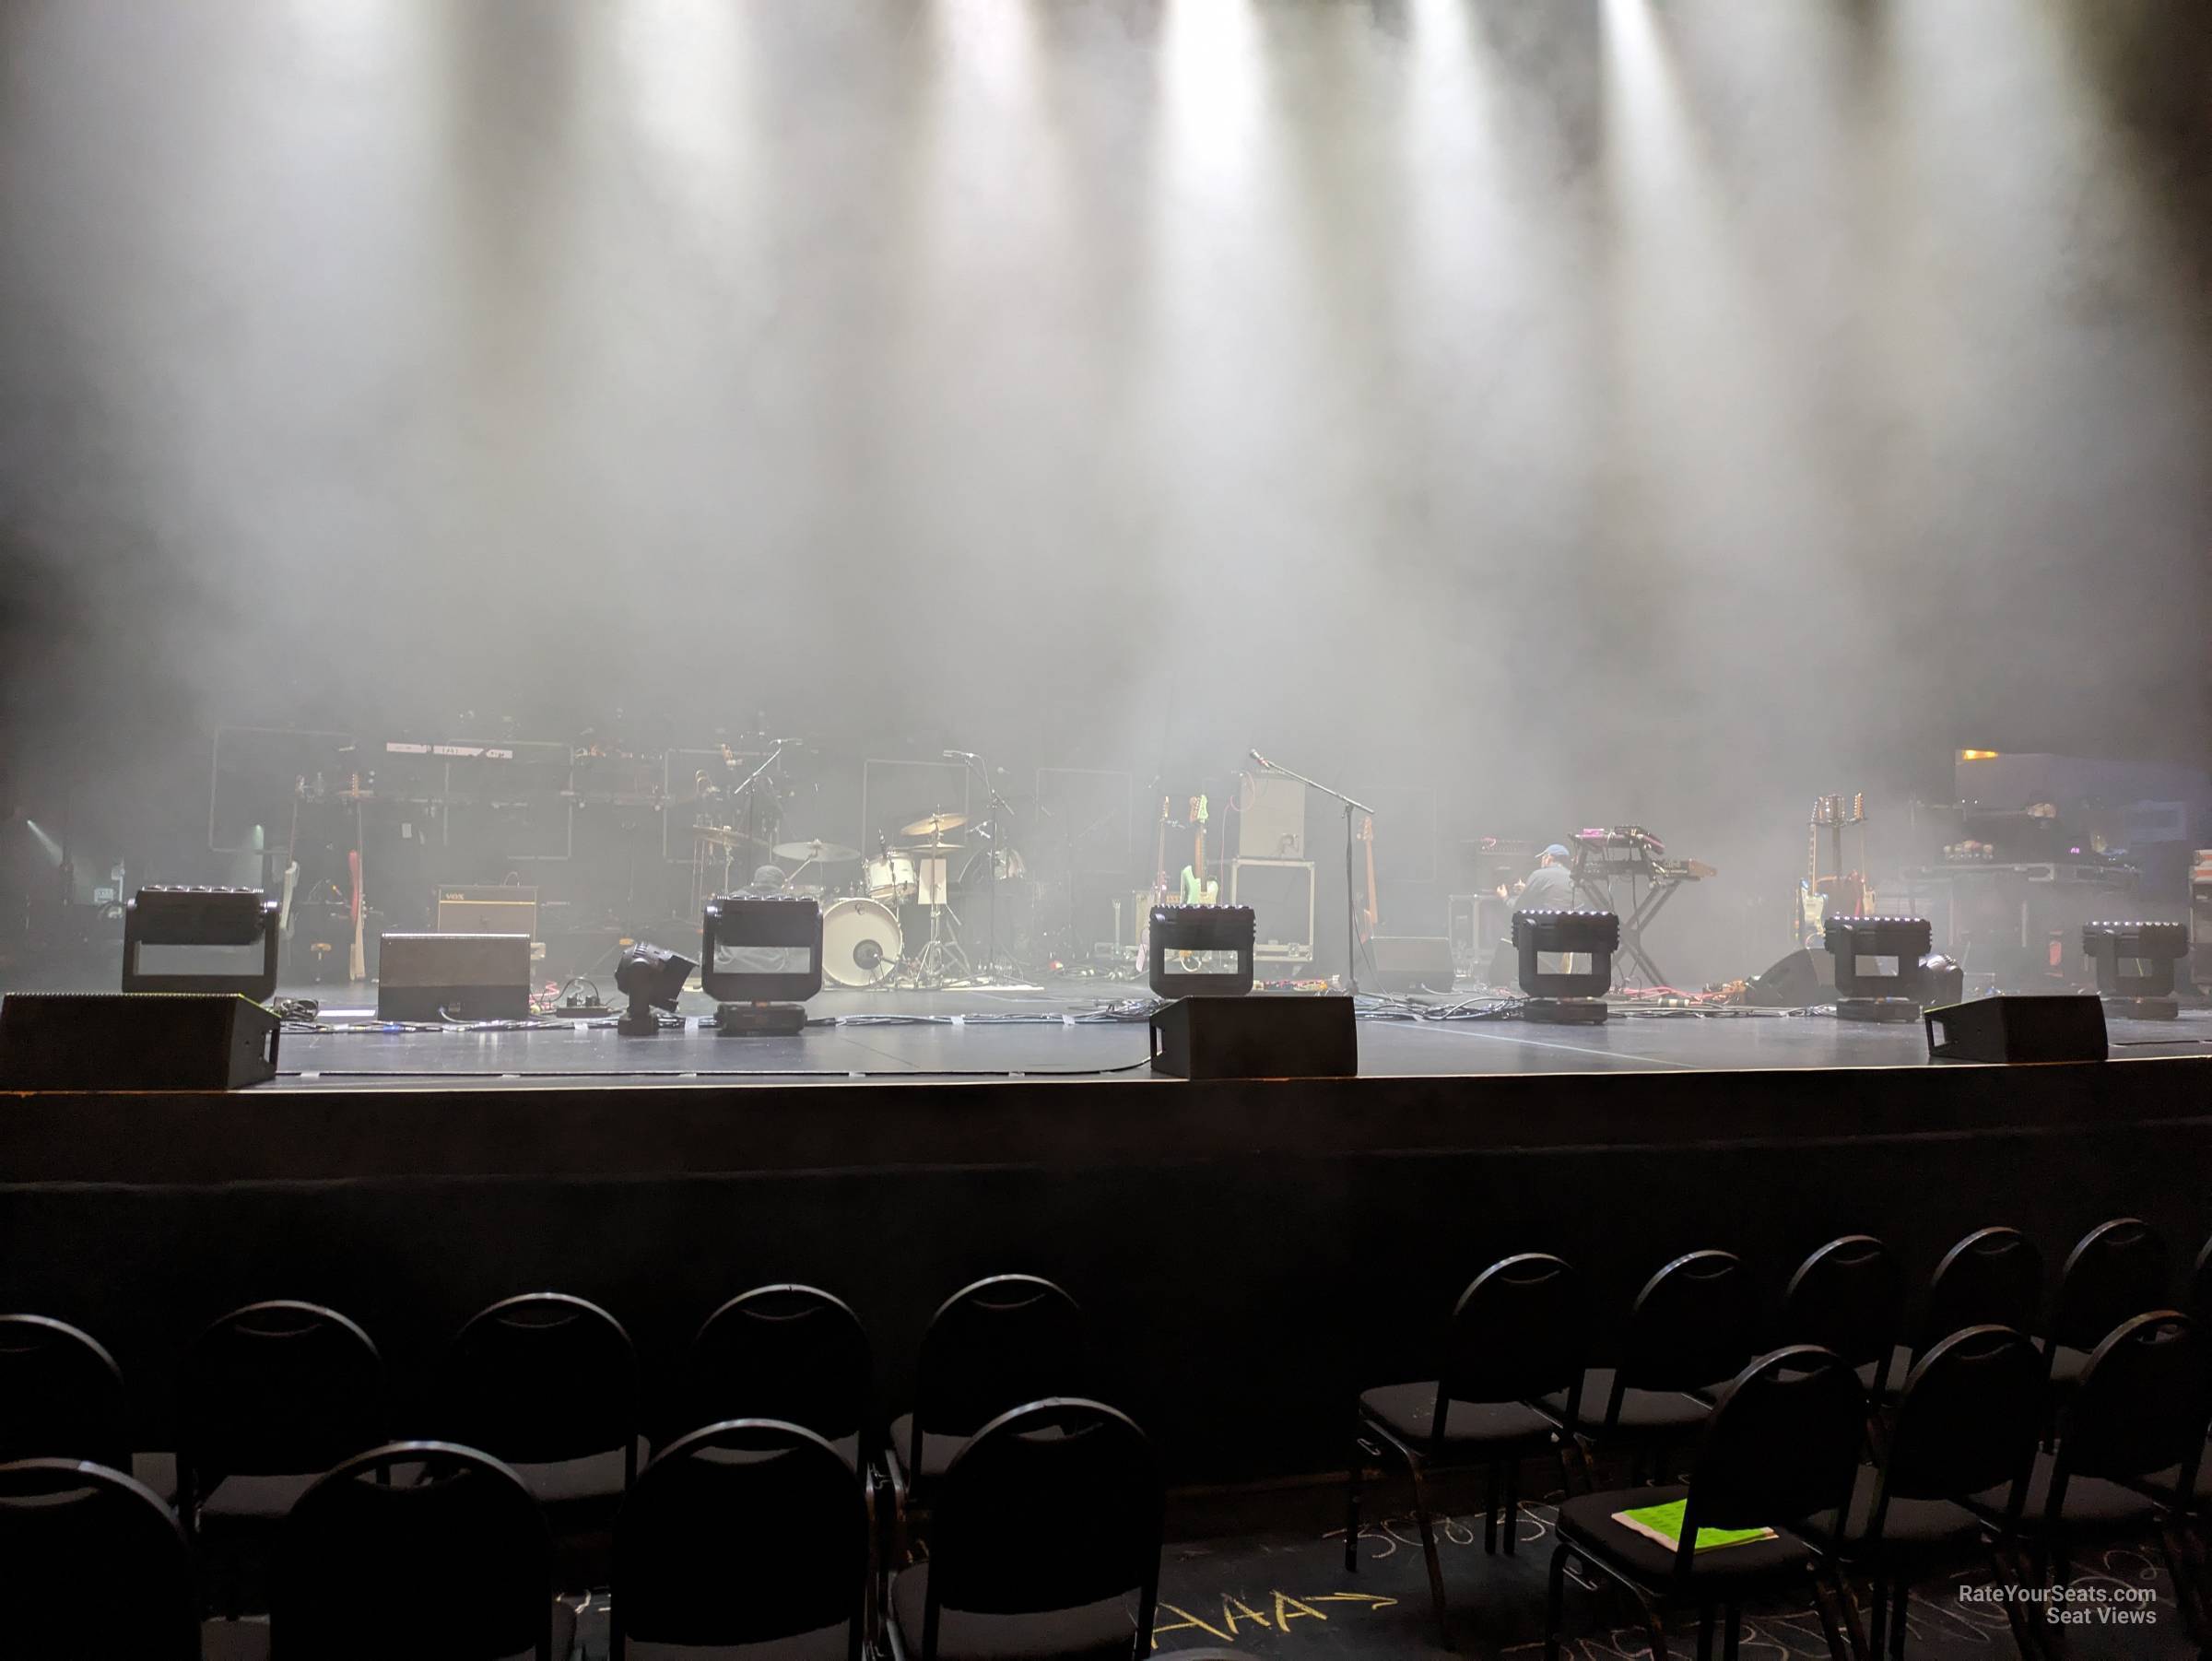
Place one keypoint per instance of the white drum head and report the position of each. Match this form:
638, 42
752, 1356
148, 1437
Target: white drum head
861, 943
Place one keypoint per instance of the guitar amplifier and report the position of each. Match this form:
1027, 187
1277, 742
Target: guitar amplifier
507, 909
454, 977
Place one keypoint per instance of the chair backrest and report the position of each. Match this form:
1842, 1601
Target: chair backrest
449, 1531
2200, 1282
2116, 1270
1781, 1442
1992, 1278
280, 1388
1967, 1418
2143, 1402
1520, 1331
991, 1346
540, 1378
739, 1533
792, 1353
1690, 1327
92, 1563
60, 1394
1054, 1505
1848, 1296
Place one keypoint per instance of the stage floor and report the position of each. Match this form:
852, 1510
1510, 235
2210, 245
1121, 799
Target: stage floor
1091, 1029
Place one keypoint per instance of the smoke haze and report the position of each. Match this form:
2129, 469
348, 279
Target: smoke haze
1653, 410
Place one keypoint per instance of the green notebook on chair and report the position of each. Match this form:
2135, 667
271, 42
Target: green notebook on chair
1663, 1524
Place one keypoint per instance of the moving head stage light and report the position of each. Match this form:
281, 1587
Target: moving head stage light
233, 927
761, 958
1877, 960
2135, 964
1566, 964
653, 978
1177, 930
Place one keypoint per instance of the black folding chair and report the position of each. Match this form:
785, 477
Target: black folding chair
417, 1548
547, 1383
1965, 1424
1992, 1278
92, 1563
1781, 1442
2116, 1270
1517, 1333
273, 1396
2130, 1442
792, 1353
1047, 1521
1689, 1333
991, 1346
60, 1394
752, 1531
1849, 1296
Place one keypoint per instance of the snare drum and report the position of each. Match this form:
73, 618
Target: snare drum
861, 943
889, 878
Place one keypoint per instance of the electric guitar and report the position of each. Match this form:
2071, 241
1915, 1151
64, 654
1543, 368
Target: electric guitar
1198, 889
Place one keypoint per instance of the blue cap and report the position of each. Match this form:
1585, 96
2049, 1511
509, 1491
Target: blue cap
1557, 851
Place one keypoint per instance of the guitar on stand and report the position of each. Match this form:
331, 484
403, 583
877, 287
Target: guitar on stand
1197, 887
1160, 891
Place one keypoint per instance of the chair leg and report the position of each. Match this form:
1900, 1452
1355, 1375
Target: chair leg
1555, 1596
1878, 1622
2025, 1637
1838, 1618
1513, 1506
1354, 1469
1704, 1632
1733, 1616
2188, 1591
1436, 1570
1896, 1613
1490, 1510
1652, 1628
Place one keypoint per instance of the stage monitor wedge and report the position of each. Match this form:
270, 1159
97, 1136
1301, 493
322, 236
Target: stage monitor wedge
453, 978
1256, 1038
2018, 1029
1410, 963
134, 1041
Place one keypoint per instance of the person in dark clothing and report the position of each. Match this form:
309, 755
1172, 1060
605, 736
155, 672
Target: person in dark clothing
1548, 888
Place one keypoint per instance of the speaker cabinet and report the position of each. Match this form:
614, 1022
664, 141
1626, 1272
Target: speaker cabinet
2018, 1029
1255, 1038
1406, 963
134, 1041
454, 977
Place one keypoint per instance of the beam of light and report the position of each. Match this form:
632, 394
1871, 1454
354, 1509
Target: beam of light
51, 849
683, 76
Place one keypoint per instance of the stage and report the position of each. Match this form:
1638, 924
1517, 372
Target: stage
1249, 1252
1094, 1028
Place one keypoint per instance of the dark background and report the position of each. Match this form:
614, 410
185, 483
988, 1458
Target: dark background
1655, 410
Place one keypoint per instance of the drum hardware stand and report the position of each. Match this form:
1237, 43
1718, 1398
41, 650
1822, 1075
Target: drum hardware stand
941, 959
1351, 902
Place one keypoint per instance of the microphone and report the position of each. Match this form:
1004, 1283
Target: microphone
1263, 761
959, 755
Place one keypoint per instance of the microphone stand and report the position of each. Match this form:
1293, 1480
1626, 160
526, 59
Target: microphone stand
992, 838
1351, 925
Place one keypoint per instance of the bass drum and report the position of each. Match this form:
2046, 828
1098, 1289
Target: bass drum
861, 943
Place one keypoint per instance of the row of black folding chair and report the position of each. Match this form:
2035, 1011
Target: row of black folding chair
1512, 1380
743, 1532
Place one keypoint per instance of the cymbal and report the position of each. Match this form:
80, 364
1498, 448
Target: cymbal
937, 824
821, 853
929, 848
722, 836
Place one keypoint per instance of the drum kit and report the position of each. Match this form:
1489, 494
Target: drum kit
864, 937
